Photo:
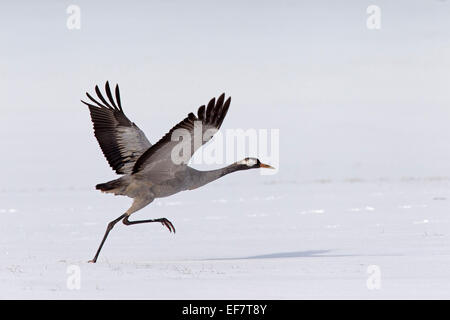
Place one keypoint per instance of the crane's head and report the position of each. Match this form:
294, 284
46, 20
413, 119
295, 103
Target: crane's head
253, 163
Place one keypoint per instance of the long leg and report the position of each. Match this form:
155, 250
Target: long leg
108, 229
164, 221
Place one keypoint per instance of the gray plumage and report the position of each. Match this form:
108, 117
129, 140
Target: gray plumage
149, 171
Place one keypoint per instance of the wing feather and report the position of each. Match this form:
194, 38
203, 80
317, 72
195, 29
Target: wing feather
121, 141
158, 157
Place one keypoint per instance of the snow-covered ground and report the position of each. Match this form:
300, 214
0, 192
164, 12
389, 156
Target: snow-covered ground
360, 206
272, 240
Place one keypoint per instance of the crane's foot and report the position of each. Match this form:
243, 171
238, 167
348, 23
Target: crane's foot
165, 222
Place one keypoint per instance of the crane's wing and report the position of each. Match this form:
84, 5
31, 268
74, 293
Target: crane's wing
157, 160
121, 141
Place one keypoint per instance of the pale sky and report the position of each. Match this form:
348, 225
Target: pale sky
349, 101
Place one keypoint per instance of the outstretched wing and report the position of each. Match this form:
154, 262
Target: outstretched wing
121, 141
158, 158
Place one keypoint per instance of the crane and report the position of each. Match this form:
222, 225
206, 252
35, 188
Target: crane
149, 171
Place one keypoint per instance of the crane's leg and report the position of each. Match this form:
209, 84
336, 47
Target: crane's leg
108, 229
164, 221
138, 203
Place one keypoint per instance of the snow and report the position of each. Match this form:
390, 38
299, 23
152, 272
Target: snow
277, 241
359, 206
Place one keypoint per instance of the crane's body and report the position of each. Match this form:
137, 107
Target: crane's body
188, 179
150, 171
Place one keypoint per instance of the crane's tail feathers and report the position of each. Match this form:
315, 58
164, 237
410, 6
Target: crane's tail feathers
115, 186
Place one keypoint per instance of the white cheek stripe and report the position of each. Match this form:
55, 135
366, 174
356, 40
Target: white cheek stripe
248, 162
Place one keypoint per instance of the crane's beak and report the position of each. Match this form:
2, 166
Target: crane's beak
263, 165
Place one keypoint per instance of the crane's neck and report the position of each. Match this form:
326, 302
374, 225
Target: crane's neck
200, 178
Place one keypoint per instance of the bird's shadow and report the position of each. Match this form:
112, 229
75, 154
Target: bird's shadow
303, 254
292, 254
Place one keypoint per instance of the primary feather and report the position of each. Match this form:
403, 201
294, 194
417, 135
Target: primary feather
121, 141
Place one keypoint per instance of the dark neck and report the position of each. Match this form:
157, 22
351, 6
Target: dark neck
200, 178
